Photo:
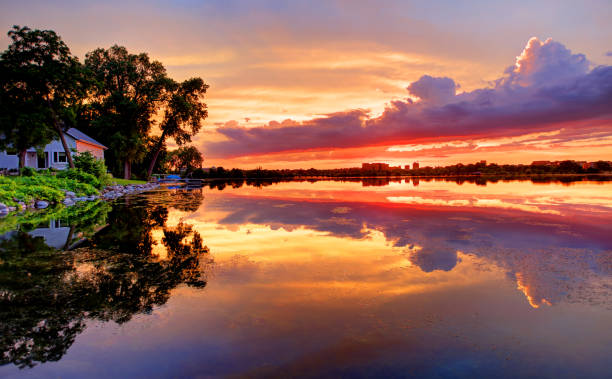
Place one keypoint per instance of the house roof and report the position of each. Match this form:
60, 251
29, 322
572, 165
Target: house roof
80, 136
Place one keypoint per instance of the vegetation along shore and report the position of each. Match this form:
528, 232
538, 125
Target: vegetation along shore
88, 181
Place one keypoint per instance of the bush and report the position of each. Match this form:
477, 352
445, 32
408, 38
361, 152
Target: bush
86, 162
79, 176
46, 187
27, 171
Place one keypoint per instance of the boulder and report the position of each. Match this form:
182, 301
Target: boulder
68, 201
70, 194
4, 208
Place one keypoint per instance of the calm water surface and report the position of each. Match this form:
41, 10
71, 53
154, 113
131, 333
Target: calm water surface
314, 279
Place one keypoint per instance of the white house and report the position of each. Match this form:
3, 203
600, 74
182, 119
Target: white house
54, 155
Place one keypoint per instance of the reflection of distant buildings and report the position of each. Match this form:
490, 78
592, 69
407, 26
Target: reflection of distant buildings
378, 182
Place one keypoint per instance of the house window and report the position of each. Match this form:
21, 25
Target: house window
59, 157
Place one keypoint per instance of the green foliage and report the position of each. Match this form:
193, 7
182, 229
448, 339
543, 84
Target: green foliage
89, 164
41, 83
27, 171
46, 187
86, 162
185, 158
80, 176
125, 182
130, 89
184, 113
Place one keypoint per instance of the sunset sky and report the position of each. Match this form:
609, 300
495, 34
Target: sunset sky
335, 83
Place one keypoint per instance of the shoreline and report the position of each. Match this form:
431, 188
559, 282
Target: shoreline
108, 193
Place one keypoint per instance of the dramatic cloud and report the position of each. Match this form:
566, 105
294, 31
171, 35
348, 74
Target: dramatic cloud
433, 90
547, 88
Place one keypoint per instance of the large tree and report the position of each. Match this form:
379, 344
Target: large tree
185, 159
130, 88
41, 84
183, 114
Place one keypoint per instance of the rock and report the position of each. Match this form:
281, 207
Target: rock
42, 204
68, 201
91, 198
70, 194
12, 209
4, 208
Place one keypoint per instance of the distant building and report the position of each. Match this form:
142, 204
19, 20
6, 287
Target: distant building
374, 166
415, 165
483, 162
541, 163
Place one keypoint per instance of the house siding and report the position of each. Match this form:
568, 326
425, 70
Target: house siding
96, 151
12, 161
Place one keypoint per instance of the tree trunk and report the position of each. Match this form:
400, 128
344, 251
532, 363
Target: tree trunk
156, 155
69, 238
22, 158
127, 169
59, 130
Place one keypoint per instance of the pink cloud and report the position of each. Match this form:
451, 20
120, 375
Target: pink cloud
548, 87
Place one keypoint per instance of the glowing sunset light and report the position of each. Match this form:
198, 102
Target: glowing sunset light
300, 86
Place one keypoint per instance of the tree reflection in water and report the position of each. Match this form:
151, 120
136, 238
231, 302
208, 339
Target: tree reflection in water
47, 295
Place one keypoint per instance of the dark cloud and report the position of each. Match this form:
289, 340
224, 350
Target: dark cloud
546, 88
433, 90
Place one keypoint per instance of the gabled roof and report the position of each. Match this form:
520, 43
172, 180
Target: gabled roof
80, 136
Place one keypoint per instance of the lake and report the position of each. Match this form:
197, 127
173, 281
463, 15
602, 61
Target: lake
362, 278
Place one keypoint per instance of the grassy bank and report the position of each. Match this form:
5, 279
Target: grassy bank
125, 182
49, 187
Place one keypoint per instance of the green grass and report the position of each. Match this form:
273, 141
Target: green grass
125, 182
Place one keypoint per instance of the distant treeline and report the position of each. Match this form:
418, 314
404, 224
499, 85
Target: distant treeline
476, 169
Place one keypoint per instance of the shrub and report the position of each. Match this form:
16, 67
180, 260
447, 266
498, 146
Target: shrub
39, 192
86, 162
46, 187
80, 176
27, 171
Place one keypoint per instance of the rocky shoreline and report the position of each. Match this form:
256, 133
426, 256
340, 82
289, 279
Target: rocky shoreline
108, 193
